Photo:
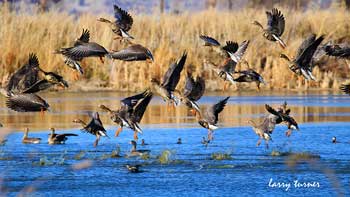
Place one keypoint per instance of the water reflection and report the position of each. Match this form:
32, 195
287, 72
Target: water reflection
316, 107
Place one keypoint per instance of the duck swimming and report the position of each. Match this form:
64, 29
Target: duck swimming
58, 138
135, 152
29, 140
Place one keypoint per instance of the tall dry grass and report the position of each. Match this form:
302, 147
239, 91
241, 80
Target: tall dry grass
167, 36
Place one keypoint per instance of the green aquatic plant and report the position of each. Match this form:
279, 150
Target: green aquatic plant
221, 156
80, 155
145, 156
295, 158
165, 157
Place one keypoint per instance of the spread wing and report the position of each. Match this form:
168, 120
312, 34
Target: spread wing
275, 22
237, 56
84, 50
209, 41
26, 76
305, 57
132, 53
338, 51
212, 113
38, 86
194, 90
123, 18
345, 88
141, 108
172, 76
85, 37
229, 65
26, 103
133, 100
61, 137
230, 46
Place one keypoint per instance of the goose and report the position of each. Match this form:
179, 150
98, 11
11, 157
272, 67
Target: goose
22, 79
170, 80
121, 25
82, 48
301, 64
95, 127
193, 91
135, 152
29, 140
275, 26
58, 138
50, 79
133, 168
263, 130
226, 70
131, 112
249, 76
214, 44
211, 117
282, 115
134, 52
179, 141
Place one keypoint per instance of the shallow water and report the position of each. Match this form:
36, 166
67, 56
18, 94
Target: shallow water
191, 169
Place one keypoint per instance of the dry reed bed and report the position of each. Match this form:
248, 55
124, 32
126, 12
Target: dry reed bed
168, 36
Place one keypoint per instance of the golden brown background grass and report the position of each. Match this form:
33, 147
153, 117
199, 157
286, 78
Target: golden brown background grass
168, 35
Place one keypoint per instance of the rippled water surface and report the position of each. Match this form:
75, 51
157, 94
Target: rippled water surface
308, 156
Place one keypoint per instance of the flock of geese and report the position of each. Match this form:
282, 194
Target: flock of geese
25, 84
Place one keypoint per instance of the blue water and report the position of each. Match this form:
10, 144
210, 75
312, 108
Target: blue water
48, 170
190, 170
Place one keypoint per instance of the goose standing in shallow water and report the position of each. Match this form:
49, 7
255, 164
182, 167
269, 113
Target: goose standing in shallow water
95, 127
55, 138
262, 130
82, 48
301, 64
121, 25
131, 112
29, 140
170, 80
193, 91
275, 26
135, 152
211, 117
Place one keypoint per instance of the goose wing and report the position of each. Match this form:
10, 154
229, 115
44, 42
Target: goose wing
123, 18
212, 113
172, 76
275, 22
209, 41
26, 76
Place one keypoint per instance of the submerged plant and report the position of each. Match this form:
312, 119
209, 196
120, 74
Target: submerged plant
221, 156
165, 157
